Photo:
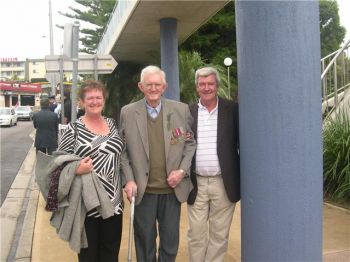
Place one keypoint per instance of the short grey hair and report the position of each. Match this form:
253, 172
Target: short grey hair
152, 69
207, 71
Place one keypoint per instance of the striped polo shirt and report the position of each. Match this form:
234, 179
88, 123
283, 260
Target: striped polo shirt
207, 161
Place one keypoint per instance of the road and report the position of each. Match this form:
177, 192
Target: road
15, 144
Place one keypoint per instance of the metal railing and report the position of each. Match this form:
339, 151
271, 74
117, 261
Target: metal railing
335, 78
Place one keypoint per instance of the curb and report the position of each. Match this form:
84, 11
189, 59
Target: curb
25, 243
13, 209
336, 207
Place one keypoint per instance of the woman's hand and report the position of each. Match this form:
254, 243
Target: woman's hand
85, 166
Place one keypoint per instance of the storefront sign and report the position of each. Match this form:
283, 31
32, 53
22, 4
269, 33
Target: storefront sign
20, 87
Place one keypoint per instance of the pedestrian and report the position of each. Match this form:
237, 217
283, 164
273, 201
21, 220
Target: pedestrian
67, 108
155, 165
46, 125
53, 103
215, 170
95, 138
80, 111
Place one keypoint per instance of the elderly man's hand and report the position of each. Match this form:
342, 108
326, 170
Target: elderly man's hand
175, 177
130, 189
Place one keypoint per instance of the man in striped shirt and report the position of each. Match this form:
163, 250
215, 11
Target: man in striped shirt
215, 170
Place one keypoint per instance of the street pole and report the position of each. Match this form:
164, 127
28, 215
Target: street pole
53, 83
62, 90
75, 59
228, 82
228, 63
95, 67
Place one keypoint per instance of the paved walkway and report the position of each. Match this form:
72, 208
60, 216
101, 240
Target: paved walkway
38, 241
46, 243
336, 245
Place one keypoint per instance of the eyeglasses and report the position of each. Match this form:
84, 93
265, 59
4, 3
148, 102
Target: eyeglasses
155, 85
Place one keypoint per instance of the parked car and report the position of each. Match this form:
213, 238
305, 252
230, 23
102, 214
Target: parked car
8, 116
24, 112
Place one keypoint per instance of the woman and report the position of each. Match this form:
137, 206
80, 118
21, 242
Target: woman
95, 138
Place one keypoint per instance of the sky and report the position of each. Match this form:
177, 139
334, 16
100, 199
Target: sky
25, 29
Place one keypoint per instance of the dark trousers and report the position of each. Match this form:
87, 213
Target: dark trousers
46, 150
104, 236
164, 209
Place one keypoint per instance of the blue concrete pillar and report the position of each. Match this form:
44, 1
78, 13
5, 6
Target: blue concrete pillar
278, 51
169, 56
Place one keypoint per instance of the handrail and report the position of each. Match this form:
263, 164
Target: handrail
331, 100
339, 90
324, 58
334, 58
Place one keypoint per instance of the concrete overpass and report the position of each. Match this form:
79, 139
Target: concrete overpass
133, 32
144, 31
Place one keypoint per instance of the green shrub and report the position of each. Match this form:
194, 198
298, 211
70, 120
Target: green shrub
336, 158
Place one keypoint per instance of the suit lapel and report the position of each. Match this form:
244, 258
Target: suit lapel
221, 121
194, 113
167, 126
141, 121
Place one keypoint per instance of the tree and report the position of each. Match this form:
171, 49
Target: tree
332, 33
215, 41
14, 77
95, 12
122, 87
188, 63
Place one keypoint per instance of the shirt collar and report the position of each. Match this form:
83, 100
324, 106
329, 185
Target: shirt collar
157, 108
200, 106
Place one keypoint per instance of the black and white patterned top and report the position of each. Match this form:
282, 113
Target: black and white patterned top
104, 150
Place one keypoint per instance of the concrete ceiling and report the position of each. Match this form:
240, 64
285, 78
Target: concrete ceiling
140, 40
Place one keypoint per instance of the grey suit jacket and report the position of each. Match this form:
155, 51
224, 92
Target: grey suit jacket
76, 196
135, 158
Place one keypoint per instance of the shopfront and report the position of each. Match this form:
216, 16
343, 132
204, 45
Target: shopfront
16, 94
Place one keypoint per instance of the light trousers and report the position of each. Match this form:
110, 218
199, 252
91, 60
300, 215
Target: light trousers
210, 219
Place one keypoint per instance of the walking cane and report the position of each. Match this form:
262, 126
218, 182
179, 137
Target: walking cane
131, 228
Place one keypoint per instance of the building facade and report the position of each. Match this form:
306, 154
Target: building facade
12, 69
35, 70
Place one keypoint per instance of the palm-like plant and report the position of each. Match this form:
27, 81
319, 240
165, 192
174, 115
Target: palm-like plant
189, 62
336, 158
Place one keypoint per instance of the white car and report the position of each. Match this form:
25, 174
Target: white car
24, 112
8, 116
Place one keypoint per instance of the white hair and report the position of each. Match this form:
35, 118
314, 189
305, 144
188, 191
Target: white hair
150, 70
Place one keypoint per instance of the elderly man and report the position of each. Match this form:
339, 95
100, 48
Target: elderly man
155, 164
215, 170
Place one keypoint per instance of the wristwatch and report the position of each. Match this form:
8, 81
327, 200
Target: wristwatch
183, 173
